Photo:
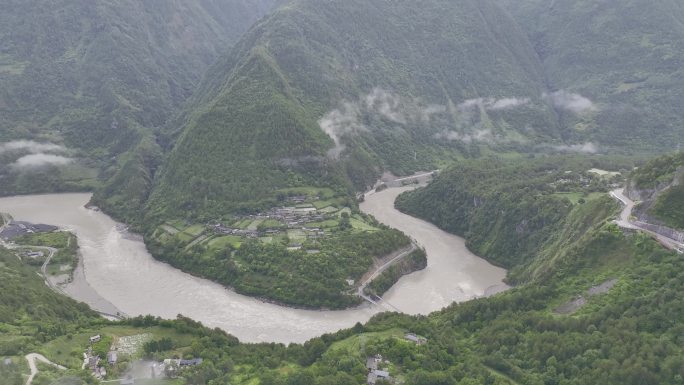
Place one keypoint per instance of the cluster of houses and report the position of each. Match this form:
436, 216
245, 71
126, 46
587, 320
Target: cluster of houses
292, 217
374, 373
16, 229
373, 363
225, 230
92, 361
168, 368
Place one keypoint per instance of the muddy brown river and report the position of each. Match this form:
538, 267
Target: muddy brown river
118, 274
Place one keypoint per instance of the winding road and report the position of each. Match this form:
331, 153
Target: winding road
625, 222
404, 253
32, 358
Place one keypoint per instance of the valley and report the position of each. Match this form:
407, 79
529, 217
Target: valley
117, 267
237, 192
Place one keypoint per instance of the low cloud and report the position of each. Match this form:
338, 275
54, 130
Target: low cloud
40, 160
565, 100
386, 104
347, 120
31, 147
582, 148
484, 135
493, 104
340, 122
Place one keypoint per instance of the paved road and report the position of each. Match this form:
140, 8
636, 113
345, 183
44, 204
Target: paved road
625, 222
379, 271
32, 358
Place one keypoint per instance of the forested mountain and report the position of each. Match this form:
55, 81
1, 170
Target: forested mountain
94, 79
331, 93
625, 58
509, 211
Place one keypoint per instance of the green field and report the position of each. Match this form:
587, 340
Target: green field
195, 230
361, 225
574, 197
322, 193
222, 242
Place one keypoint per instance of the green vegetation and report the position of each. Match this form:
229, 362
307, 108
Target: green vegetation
253, 128
630, 334
31, 314
625, 59
312, 276
293, 254
658, 172
660, 183
670, 207
65, 259
508, 209
416, 261
103, 79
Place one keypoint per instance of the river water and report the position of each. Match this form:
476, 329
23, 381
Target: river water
118, 274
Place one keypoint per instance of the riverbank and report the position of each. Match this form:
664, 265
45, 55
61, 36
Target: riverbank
453, 273
119, 269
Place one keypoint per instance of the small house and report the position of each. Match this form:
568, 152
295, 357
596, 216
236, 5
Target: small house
112, 357
95, 339
7, 361
192, 362
93, 361
372, 362
415, 339
375, 375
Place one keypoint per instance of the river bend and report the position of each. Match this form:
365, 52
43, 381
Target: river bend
118, 274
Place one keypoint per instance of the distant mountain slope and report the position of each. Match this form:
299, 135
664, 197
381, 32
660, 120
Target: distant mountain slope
99, 78
392, 84
626, 57
94, 72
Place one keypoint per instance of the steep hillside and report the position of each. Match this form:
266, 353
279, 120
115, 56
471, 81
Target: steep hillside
332, 93
97, 78
617, 63
511, 210
659, 186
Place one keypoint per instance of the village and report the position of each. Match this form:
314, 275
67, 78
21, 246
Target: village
280, 219
126, 348
298, 220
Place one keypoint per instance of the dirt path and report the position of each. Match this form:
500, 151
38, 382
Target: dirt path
32, 358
